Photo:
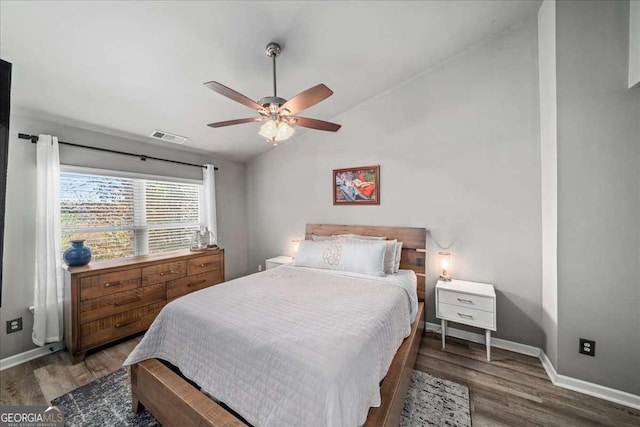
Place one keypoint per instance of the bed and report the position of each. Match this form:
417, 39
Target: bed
327, 340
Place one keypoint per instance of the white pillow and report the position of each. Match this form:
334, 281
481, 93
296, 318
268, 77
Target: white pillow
389, 255
342, 256
362, 237
396, 267
319, 238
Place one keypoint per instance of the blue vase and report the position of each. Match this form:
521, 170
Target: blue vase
77, 254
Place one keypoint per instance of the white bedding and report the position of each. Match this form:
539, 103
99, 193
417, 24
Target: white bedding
291, 346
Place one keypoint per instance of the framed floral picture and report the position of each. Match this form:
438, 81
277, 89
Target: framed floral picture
356, 186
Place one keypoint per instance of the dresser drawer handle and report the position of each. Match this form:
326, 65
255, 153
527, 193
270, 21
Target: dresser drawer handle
204, 264
196, 283
465, 316
466, 301
127, 323
109, 284
162, 273
127, 301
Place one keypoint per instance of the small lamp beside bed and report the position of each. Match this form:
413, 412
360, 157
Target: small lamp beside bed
295, 245
445, 266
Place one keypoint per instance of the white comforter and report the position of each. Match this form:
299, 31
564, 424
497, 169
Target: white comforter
290, 346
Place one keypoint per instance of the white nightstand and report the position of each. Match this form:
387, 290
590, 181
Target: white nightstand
275, 262
469, 303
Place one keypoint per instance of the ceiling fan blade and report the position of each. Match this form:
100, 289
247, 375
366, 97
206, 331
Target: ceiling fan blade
234, 122
306, 99
316, 124
232, 94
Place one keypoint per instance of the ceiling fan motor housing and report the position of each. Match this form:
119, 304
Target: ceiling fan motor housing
273, 49
268, 100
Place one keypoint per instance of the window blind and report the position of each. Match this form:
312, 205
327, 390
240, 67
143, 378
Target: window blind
120, 217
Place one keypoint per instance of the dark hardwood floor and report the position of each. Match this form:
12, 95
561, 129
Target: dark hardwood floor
512, 390
39, 381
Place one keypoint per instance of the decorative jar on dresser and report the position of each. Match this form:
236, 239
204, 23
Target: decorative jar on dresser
110, 300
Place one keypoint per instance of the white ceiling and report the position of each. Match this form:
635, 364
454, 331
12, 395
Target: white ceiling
138, 66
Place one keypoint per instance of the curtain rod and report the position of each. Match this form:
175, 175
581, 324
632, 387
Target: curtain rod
34, 139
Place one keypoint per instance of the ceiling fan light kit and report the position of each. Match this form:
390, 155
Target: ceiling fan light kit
276, 132
275, 112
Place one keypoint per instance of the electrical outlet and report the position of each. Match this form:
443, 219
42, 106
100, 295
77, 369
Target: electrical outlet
14, 325
587, 347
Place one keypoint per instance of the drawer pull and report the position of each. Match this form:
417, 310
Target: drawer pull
465, 316
204, 264
127, 301
127, 323
196, 283
466, 301
109, 284
162, 273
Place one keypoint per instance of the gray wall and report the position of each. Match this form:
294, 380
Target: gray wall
460, 155
598, 195
19, 268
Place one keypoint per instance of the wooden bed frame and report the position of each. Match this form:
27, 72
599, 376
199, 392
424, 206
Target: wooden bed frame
176, 402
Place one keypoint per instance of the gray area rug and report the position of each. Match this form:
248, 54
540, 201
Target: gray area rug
107, 402
433, 401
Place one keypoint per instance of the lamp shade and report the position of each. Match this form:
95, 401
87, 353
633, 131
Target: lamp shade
295, 245
445, 265
269, 129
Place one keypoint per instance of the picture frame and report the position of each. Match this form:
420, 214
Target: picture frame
358, 185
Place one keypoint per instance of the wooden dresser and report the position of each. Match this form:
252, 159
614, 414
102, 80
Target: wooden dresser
106, 301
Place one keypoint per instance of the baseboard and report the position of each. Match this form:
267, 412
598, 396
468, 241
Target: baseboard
591, 389
570, 383
479, 338
17, 359
548, 367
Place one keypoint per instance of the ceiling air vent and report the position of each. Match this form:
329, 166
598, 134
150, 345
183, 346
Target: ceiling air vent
168, 137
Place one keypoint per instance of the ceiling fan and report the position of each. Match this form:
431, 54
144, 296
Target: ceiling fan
277, 113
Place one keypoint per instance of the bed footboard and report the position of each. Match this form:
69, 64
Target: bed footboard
172, 400
396, 384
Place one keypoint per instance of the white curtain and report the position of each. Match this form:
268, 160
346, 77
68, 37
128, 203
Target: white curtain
209, 184
48, 295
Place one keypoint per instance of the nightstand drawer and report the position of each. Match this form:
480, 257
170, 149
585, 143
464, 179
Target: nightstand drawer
277, 261
468, 316
465, 300
269, 265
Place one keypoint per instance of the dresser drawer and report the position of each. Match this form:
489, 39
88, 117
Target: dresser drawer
97, 308
465, 300
188, 284
204, 263
468, 316
119, 325
163, 272
109, 283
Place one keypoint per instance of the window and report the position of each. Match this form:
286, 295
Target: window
122, 216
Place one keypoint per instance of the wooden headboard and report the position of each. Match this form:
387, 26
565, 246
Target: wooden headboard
413, 247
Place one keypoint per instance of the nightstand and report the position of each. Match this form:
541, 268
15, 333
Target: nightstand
277, 261
469, 303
